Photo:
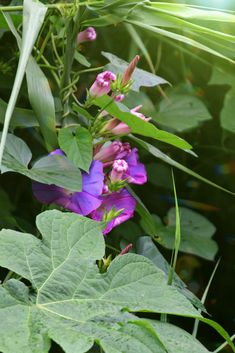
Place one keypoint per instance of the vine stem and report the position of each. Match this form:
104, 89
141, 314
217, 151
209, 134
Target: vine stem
49, 6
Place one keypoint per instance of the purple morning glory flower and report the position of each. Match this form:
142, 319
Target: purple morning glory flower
136, 172
116, 201
83, 202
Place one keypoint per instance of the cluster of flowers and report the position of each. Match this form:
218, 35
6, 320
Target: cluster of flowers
104, 196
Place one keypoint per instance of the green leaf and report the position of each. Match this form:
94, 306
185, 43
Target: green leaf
33, 16
220, 77
81, 59
181, 112
77, 146
55, 169
139, 126
193, 12
196, 233
140, 77
42, 101
165, 158
177, 340
73, 303
40, 95
179, 37
21, 118
146, 247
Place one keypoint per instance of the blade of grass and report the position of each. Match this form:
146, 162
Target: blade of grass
33, 17
177, 234
224, 345
175, 251
196, 324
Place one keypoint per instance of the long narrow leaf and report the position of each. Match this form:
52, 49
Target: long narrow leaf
40, 95
33, 16
162, 156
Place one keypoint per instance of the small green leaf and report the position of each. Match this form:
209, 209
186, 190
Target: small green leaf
77, 146
81, 59
139, 126
140, 77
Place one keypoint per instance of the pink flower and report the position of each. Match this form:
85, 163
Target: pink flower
119, 97
135, 112
119, 168
102, 84
109, 153
89, 34
115, 127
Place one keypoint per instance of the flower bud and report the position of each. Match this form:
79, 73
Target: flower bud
89, 34
108, 154
102, 84
129, 70
119, 168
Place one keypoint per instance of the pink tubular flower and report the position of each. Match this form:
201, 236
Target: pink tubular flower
109, 153
89, 34
117, 127
135, 112
119, 168
102, 84
119, 201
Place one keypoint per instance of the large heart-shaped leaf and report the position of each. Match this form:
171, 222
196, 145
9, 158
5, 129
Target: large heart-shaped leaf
70, 301
54, 169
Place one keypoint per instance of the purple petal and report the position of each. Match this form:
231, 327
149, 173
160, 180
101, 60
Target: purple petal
136, 173
79, 202
118, 200
57, 151
93, 182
